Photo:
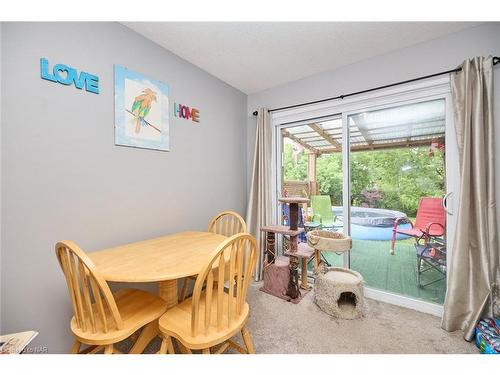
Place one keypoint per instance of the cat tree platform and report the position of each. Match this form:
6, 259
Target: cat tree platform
325, 240
282, 229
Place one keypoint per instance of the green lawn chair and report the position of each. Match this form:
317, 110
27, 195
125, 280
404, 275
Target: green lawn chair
322, 211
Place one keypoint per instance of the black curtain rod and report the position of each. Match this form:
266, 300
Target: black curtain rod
496, 60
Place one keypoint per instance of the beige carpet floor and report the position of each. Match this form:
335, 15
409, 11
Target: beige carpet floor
278, 326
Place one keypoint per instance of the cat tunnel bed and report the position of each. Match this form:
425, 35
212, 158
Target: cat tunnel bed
339, 292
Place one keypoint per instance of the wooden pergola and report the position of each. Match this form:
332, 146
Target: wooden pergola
319, 138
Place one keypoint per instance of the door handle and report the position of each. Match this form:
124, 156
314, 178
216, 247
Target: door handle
445, 203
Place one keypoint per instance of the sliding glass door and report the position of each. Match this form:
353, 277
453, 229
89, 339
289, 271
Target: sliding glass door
398, 180
378, 170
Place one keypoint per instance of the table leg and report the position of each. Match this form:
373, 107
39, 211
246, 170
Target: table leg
168, 291
149, 332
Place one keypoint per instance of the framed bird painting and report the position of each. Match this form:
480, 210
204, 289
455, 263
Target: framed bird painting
141, 111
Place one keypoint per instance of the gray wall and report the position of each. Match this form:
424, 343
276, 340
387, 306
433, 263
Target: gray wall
63, 177
422, 59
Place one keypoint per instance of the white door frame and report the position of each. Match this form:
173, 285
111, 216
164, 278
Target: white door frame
430, 89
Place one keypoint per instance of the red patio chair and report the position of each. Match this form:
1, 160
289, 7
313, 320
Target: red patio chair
430, 222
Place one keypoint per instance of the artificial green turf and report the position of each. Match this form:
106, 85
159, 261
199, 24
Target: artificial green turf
393, 273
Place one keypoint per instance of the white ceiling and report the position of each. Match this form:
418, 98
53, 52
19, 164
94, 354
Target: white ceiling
254, 56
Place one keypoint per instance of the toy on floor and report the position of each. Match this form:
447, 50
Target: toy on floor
488, 336
281, 272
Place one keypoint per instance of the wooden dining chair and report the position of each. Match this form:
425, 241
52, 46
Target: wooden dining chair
226, 223
215, 314
102, 318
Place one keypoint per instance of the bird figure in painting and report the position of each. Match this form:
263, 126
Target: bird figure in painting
141, 106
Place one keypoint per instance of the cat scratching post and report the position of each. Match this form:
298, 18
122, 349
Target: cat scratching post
281, 272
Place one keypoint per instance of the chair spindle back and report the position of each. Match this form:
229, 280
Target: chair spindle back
227, 223
94, 306
240, 253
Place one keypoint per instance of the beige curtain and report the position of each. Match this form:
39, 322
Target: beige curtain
475, 255
259, 210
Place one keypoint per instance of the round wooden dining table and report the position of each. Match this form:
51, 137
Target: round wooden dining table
163, 260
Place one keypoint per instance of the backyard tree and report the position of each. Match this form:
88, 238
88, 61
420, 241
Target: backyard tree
394, 178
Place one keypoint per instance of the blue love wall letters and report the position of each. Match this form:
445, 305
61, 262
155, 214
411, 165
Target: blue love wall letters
67, 76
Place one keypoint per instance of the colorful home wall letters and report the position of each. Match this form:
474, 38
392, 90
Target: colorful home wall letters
66, 75
183, 111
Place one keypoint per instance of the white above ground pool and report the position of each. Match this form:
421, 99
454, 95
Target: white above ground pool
372, 223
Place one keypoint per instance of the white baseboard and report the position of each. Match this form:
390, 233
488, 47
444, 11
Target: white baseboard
410, 303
